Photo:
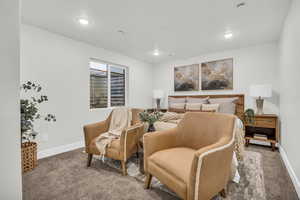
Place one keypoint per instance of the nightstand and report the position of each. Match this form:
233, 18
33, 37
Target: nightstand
265, 128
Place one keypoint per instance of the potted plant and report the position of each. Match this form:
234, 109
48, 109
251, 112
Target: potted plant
150, 118
249, 116
29, 113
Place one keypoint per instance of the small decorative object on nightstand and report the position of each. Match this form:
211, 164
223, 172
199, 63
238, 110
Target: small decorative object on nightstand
158, 95
265, 128
260, 92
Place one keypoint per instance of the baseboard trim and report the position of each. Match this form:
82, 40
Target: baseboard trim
291, 171
60, 149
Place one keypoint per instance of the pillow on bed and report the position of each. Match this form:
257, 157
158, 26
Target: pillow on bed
177, 107
193, 106
197, 100
176, 100
171, 116
227, 105
177, 104
210, 107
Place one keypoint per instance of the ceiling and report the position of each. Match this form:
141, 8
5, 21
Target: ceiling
179, 29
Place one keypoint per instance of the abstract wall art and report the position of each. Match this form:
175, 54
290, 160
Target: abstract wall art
217, 75
186, 78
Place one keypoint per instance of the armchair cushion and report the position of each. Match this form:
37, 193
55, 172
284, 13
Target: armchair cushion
176, 161
173, 167
157, 141
113, 151
169, 180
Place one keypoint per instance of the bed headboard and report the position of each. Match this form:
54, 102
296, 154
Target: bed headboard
240, 103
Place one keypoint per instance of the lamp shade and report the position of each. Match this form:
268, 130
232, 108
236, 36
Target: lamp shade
264, 91
158, 94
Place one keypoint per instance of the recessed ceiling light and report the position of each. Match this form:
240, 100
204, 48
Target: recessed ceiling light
121, 32
241, 4
83, 21
228, 35
156, 52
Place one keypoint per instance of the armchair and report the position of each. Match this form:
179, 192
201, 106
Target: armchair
120, 149
194, 158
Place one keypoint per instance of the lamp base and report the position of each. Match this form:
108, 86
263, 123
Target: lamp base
259, 105
158, 104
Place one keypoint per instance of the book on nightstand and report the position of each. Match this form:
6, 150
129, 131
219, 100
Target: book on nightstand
260, 136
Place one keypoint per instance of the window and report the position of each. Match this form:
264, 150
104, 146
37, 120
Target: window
107, 85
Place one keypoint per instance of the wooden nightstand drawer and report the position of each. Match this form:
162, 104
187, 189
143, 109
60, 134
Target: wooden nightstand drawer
265, 122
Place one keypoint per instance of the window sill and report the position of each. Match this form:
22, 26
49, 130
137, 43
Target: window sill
103, 109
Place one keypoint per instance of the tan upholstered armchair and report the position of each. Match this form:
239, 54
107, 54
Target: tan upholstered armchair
193, 159
120, 149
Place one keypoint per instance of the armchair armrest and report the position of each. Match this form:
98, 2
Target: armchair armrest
93, 130
213, 161
129, 139
157, 141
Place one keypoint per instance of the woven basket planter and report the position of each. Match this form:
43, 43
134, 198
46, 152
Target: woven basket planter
29, 156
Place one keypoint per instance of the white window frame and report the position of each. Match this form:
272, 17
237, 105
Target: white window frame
110, 64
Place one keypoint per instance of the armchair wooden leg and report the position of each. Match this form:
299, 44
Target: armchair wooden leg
89, 160
223, 193
124, 170
148, 181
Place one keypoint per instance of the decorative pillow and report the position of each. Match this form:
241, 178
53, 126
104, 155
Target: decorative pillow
177, 105
197, 100
177, 100
227, 105
210, 108
193, 106
170, 116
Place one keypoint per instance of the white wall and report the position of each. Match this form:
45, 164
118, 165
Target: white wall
60, 65
290, 92
252, 65
10, 155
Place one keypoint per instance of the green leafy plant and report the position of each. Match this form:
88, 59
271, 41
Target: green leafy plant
30, 111
150, 117
249, 116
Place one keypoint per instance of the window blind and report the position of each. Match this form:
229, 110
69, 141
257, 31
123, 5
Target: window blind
117, 86
98, 89
107, 85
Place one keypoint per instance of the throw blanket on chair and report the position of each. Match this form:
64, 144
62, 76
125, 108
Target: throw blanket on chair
120, 120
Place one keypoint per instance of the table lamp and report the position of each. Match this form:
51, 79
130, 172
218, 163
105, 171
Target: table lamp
158, 95
259, 92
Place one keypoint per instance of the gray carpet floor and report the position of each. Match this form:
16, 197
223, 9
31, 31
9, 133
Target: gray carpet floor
65, 177
278, 183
